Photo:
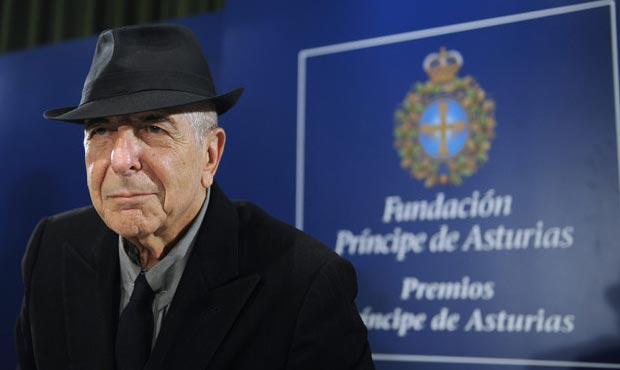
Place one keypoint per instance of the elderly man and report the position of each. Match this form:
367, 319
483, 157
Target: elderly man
164, 272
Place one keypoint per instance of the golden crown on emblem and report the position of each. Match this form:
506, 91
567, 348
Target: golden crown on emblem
443, 66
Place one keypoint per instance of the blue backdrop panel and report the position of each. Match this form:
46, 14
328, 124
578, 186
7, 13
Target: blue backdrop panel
552, 169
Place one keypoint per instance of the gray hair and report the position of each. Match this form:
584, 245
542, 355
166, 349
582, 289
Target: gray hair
202, 117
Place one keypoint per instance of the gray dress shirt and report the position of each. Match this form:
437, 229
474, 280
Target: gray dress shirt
164, 277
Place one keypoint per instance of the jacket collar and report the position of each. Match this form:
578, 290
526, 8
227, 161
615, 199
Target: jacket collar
91, 290
209, 296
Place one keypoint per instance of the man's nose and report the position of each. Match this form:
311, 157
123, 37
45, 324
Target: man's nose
125, 157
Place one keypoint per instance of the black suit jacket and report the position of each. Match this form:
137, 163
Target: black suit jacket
255, 294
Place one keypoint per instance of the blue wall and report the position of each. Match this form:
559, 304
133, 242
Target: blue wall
256, 46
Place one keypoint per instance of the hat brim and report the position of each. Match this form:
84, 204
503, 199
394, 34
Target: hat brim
140, 101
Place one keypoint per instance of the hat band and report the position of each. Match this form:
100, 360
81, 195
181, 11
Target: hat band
122, 83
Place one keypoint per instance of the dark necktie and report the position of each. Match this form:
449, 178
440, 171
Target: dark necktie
135, 327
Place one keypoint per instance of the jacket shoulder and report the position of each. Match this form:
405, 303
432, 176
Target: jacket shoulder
264, 239
83, 216
81, 228
75, 226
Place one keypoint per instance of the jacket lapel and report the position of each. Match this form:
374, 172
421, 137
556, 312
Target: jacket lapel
91, 298
210, 294
196, 325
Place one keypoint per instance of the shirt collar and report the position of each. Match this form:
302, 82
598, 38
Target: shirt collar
165, 275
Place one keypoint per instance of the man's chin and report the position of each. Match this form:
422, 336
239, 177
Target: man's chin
130, 223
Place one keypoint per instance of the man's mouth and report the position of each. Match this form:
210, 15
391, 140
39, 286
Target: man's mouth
128, 195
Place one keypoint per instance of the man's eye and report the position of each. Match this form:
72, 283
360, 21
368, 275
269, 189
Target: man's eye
98, 131
154, 129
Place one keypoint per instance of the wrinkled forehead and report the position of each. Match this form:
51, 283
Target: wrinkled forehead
136, 118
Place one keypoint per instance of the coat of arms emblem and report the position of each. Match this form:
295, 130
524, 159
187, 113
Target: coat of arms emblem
445, 125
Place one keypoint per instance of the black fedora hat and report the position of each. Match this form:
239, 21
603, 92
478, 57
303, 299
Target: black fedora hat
142, 68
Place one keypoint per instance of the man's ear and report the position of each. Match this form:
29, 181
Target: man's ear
214, 145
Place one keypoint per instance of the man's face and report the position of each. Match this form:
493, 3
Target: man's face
148, 173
